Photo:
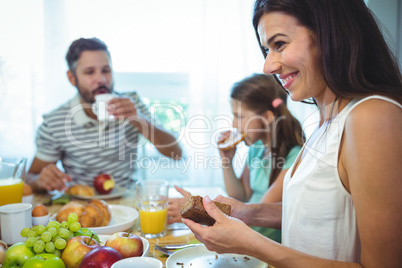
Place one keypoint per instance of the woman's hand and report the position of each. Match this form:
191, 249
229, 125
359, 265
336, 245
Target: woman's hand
175, 205
238, 208
227, 235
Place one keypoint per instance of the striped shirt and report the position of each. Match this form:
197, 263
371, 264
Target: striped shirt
87, 148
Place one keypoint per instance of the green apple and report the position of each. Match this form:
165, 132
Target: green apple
44, 260
87, 232
17, 255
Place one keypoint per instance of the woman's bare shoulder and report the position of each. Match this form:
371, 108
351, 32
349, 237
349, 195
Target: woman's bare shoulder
375, 114
372, 134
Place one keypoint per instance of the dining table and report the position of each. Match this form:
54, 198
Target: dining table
177, 233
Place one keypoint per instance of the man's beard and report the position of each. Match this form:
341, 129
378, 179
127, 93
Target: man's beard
89, 97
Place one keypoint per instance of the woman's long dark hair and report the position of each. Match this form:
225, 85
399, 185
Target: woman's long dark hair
356, 59
257, 93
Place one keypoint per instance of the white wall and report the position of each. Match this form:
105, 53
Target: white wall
389, 13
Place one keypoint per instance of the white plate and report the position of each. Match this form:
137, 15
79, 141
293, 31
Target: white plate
145, 243
123, 218
116, 192
201, 257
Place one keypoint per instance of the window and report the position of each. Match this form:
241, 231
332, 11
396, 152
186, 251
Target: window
175, 53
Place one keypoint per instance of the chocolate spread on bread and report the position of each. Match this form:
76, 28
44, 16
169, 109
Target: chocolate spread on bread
194, 210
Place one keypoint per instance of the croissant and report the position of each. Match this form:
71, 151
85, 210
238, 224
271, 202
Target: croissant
72, 207
104, 211
81, 189
94, 214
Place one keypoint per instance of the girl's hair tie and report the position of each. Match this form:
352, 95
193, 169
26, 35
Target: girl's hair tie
276, 102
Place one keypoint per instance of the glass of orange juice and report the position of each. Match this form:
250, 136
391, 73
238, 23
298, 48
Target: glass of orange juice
152, 198
12, 176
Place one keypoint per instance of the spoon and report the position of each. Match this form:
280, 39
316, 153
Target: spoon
163, 250
181, 246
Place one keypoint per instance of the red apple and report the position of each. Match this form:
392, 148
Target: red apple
102, 257
127, 244
76, 249
104, 183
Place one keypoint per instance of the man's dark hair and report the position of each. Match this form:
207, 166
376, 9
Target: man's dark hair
81, 45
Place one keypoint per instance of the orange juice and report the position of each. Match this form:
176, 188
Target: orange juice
153, 221
11, 191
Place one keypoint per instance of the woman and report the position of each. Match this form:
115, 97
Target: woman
343, 195
275, 138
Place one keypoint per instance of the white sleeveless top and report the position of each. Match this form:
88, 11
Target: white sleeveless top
318, 216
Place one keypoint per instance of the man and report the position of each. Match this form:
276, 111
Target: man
86, 147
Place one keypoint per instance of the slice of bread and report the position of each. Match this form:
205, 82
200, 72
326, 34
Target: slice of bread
234, 138
194, 210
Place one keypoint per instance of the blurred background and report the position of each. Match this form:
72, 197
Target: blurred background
182, 56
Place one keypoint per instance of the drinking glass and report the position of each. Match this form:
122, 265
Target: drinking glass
152, 198
12, 176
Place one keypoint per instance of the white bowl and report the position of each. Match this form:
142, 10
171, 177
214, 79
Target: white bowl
43, 220
143, 262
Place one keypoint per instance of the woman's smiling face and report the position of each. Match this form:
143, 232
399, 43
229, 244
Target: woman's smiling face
292, 55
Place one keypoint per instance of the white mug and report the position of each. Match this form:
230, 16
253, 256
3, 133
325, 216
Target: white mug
14, 218
99, 107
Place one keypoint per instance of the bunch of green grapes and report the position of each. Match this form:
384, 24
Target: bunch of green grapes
53, 237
